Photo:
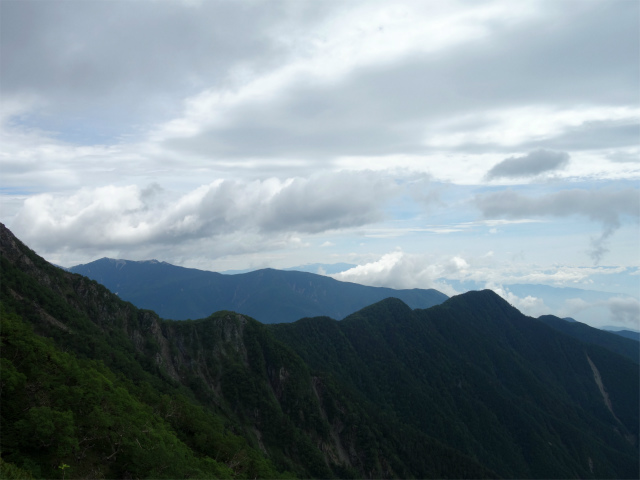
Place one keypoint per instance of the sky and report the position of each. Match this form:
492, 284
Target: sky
429, 143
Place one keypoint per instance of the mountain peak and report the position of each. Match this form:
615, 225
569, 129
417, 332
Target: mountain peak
480, 297
390, 307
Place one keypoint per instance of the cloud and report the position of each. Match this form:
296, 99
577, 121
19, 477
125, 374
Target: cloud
262, 100
605, 206
291, 87
622, 310
625, 311
534, 163
400, 270
529, 288
596, 134
120, 217
625, 156
102, 66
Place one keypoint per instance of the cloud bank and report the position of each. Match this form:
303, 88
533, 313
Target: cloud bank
117, 217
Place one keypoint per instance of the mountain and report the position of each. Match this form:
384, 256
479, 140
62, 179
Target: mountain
624, 332
595, 305
95, 387
616, 343
527, 400
631, 334
270, 296
616, 328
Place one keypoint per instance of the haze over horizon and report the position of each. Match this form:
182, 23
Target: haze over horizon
426, 142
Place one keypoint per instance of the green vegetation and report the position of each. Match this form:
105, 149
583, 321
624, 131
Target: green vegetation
478, 375
610, 340
93, 387
65, 417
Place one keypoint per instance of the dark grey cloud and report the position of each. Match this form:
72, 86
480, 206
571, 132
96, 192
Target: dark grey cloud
532, 164
605, 206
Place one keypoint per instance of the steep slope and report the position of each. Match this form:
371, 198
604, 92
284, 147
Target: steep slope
85, 392
220, 393
270, 296
609, 340
475, 373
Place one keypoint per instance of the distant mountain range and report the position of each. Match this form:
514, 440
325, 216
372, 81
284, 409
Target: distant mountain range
470, 388
632, 334
270, 296
626, 347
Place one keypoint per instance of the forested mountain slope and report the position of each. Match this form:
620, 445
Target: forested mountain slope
270, 296
474, 372
609, 340
467, 389
116, 392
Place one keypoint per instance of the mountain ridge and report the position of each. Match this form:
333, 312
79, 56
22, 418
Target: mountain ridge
269, 295
470, 388
617, 343
226, 365
494, 377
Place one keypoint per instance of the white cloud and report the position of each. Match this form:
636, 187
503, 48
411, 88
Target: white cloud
623, 311
116, 217
400, 270
511, 127
356, 37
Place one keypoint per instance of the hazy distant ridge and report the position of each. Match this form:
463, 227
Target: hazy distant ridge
271, 296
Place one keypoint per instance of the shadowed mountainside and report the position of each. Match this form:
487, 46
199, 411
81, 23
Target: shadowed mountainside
610, 340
